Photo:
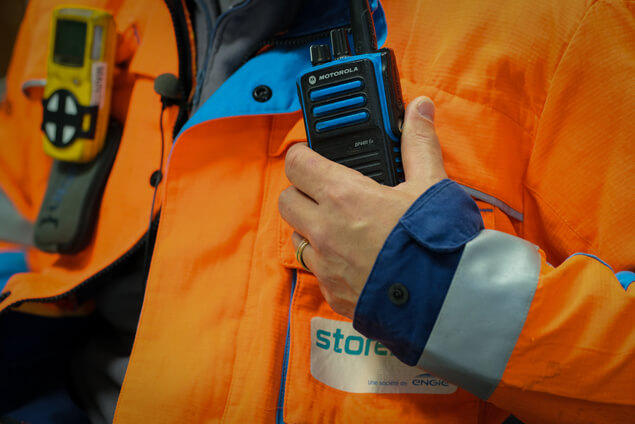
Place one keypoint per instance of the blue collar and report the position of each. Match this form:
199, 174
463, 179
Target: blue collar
279, 67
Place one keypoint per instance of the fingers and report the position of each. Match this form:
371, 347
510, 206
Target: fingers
298, 210
421, 152
312, 173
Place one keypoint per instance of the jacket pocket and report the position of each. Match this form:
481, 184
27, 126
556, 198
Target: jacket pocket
335, 374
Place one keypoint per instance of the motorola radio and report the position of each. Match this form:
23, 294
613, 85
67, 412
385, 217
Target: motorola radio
352, 104
80, 64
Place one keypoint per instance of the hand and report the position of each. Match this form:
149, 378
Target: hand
346, 216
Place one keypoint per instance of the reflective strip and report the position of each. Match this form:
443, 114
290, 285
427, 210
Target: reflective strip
29, 87
518, 216
483, 313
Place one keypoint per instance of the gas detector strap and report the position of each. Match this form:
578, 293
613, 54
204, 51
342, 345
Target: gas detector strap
67, 217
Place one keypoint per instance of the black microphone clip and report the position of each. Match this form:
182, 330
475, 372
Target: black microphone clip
167, 86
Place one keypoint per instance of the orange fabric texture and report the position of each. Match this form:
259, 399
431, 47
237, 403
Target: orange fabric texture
503, 76
125, 208
578, 337
534, 107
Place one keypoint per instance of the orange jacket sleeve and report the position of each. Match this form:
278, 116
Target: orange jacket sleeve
574, 360
547, 343
557, 343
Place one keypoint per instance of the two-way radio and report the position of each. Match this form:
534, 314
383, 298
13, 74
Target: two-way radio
352, 104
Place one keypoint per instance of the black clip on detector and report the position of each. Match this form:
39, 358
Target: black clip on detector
352, 104
68, 214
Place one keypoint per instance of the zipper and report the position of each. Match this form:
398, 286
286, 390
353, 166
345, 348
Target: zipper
210, 46
184, 50
290, 42
285, 361
95, 278
201, 72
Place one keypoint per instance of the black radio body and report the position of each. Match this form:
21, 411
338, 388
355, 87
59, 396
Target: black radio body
352, 104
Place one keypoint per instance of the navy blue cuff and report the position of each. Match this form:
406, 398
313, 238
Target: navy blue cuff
412, 273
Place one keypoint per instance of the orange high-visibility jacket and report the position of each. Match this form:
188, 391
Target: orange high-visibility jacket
145, 50
535, 117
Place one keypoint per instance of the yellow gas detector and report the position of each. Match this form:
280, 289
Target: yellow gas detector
76, 103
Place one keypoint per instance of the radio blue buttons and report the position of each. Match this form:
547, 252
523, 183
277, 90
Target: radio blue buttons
323, 93
339, 105
342, 121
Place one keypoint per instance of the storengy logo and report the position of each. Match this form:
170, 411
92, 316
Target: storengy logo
353, 345
344, 359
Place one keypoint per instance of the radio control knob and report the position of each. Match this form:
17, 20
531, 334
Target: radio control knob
339, 40
320, 53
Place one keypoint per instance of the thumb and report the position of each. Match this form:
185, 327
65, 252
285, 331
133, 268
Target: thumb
420, 149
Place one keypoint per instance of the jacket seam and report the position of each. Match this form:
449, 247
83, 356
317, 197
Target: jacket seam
294, 300
560, 217
562, 56
529, 189
135, 343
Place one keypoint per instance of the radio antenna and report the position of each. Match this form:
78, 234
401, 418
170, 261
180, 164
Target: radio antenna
363, 28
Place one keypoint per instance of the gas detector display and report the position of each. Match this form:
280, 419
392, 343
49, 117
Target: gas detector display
70, 43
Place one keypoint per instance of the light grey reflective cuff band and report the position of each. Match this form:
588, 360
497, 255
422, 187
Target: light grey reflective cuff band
494, 202
483, 313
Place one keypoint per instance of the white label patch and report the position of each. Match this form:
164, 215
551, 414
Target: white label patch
344, 359
98, 81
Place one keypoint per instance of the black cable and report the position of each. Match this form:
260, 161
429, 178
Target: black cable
182, 35
155, 180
